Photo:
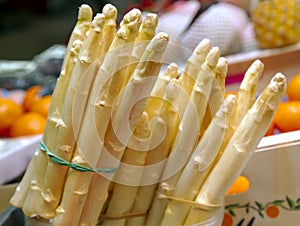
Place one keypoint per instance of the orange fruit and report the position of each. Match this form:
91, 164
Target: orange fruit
227, 220
42, 105
293, 88
31, 95
287, 116
9, 112
272, 211
29, 123
270, 131
240, 185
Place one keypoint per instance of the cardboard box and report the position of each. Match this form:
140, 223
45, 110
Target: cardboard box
274, 194
273, 198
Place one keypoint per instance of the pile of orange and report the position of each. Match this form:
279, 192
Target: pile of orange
27, 118
287, 116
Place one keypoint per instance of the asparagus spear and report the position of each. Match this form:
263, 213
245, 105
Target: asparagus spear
85, 16
239, 149
97, 111
146, 33
187, 135
54, 177
109, 28
40, 159
245, 99
191, 70
139, 86
58, 95
193, 174
216, 97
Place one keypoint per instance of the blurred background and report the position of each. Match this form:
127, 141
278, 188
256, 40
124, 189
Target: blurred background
29, 27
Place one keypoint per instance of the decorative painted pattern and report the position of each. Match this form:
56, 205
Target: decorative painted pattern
270, 209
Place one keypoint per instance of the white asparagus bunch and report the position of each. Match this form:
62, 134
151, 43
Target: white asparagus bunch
87, 150
65, 137
36, 168
119, 131
141, 147
193, 174
188, 132
239, 150
245, 99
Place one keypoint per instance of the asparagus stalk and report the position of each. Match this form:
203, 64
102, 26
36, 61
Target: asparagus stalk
193, 174
191, 70
139, 86
54, 177
58, 95
239, 150
84, 18
247, 92
146, 33
187, 135
40, 159
98, 111
109, 28
245, 99
216, 97
170, 113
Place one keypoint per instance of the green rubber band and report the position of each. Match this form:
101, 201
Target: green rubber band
63, 162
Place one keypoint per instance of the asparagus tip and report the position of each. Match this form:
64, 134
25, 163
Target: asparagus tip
76, 46
98, 22
278, 83
172, 70
110, 11
151, 20
132, 19
85, 12
222, 66
229, 102
202, 48
213, 56
256, 66
159, 42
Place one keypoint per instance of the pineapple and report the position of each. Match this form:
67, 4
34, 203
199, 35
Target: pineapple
276, 22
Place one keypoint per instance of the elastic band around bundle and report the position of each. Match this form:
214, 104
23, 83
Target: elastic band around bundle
123, 216
60, 161
189, 202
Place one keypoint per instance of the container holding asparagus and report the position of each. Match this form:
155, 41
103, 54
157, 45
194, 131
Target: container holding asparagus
132, 139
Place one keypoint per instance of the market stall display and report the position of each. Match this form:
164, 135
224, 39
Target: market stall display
131, 142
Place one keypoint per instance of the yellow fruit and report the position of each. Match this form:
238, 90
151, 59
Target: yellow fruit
276, 22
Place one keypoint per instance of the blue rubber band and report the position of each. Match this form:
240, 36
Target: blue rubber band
63, 162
